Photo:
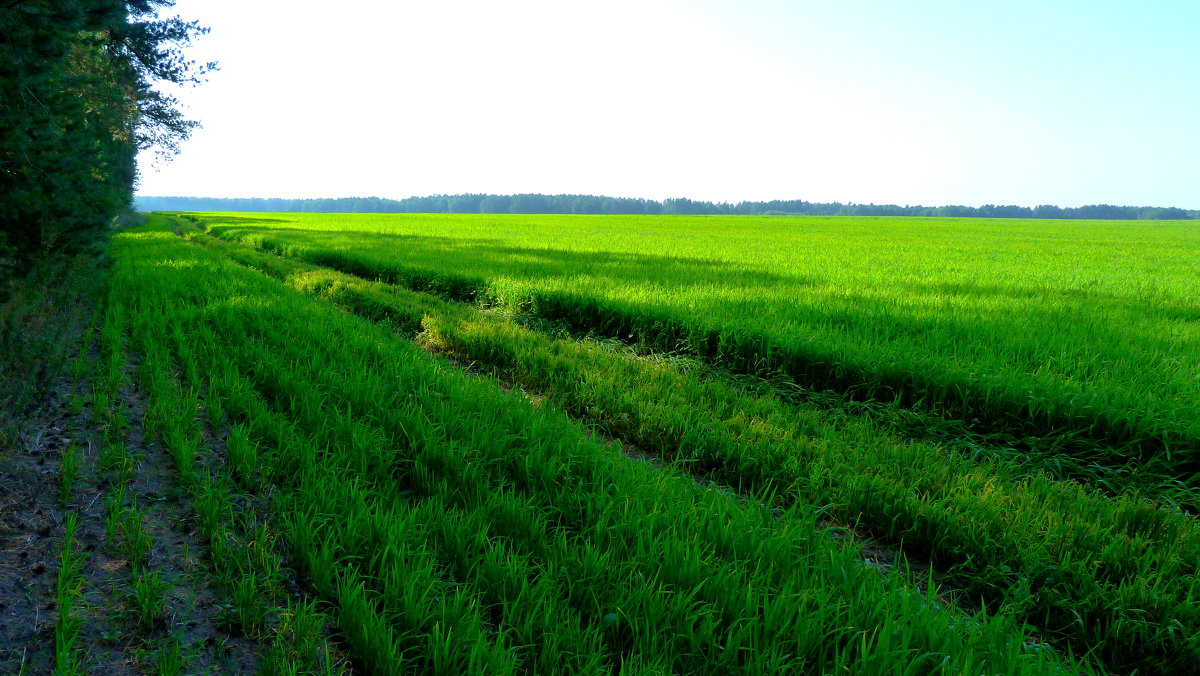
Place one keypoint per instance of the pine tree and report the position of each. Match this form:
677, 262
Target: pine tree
77, 102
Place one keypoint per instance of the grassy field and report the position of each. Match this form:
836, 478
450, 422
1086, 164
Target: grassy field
538, 445
459, 528
1082, 334
1107, 567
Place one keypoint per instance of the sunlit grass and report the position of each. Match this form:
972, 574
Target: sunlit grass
1068, 559
459, 529
1070, 328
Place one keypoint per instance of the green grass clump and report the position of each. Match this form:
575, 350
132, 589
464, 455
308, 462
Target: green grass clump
170, 659
148, 591
136, 542
68, 471
68, 589
243, 456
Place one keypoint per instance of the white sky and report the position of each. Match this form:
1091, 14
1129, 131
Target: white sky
919, 102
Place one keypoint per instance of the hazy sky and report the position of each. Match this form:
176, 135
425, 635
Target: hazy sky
887, 101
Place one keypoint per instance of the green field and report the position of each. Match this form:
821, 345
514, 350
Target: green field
495, 434
1065, 330
688, 445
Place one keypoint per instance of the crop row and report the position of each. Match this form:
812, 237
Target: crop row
244, 569
1114, 574
457, 527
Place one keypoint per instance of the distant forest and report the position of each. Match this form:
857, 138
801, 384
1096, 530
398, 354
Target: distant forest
591, 204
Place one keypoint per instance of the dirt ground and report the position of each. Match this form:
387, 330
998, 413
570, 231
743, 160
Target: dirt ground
31, 540
45, 410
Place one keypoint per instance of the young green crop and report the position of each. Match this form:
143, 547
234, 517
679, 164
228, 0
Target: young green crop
1069, 330
68, 588
170, 659
68, 471
1050, 550
148, 591
137, 542
461, 530
242, 548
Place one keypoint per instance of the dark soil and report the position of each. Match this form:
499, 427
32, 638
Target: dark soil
30, 542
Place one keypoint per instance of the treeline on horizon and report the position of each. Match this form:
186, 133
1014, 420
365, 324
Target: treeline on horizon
592, 204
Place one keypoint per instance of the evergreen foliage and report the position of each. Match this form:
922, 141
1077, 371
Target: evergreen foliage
77, 102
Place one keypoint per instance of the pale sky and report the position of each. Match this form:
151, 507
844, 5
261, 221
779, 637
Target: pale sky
886, 101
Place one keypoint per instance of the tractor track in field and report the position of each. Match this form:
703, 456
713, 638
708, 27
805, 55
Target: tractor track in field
911, 424
882, 556
878, 554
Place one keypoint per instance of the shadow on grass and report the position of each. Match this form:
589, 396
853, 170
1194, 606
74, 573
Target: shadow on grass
237, 220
